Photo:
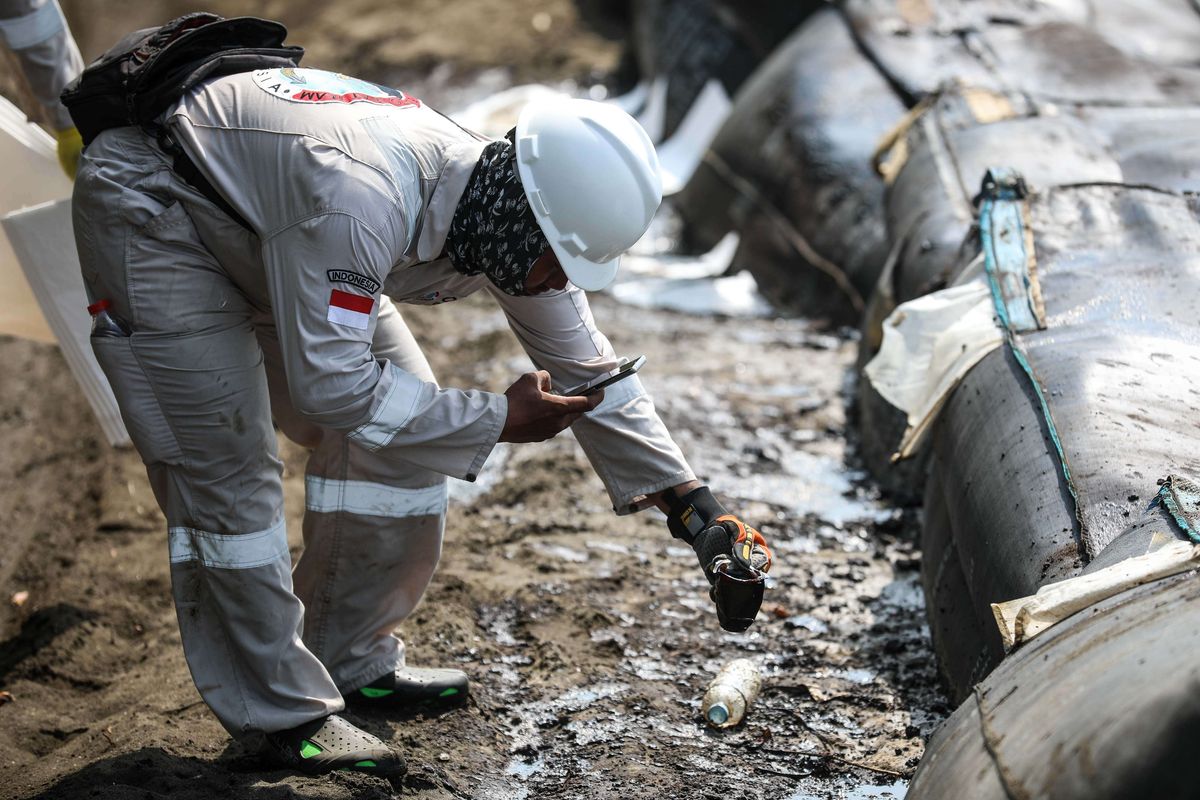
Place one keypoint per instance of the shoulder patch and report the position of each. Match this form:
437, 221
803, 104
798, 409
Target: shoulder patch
317, 86
369, 285
350, 310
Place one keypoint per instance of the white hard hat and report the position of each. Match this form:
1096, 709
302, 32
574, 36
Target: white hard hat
592, 179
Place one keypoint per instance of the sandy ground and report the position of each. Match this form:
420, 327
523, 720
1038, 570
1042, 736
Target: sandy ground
588, 652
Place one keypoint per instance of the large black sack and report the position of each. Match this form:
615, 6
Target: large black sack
791, 169
688, 43
933, 177
804, 127
143, 74
1057, 52
1049, 451
1044, 56
932, 173
1107, 117
1104, 705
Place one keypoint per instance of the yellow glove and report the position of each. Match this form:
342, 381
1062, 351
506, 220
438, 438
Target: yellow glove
70, 145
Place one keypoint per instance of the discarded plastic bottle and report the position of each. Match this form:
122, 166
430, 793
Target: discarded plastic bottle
105, 323
731, 693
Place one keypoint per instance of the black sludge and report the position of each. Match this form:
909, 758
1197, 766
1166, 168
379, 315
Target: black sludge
791, 169
687, 43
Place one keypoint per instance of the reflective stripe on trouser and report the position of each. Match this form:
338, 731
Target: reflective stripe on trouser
193, 393
372, 529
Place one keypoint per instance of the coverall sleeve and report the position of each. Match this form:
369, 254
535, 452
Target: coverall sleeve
37, 34
624, 439
326, 323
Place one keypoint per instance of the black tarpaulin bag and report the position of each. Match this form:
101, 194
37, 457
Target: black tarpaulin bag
147, 71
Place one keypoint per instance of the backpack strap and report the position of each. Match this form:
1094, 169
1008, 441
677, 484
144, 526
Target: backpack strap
185, 168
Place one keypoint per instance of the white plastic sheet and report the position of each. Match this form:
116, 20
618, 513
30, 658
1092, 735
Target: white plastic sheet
31, 176
680, 155
495, 114
44, 298
691, 284
653, 116
42, 240
929, 344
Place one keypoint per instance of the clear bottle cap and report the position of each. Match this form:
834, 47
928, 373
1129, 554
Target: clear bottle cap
718, 713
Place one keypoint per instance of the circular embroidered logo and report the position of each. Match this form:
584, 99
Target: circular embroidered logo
318, 86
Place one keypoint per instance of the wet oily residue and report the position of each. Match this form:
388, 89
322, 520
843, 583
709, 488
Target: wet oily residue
593, 638
589, 638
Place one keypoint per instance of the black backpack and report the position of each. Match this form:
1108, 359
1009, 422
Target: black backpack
147, 71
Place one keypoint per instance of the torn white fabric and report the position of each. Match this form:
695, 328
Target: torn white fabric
681, 153
496, 113
1021, 619
929, 344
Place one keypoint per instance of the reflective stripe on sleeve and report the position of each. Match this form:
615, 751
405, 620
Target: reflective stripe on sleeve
393, 413
326, 496
229, 551
33, 28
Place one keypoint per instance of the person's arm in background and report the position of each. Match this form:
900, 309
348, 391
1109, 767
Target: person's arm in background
36, 33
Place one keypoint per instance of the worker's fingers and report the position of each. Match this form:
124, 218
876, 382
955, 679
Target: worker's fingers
534, 414
577, 404
552, 426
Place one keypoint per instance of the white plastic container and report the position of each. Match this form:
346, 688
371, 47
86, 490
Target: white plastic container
731, 693
44, 298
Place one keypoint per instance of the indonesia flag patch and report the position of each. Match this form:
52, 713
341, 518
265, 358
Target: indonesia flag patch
351, 310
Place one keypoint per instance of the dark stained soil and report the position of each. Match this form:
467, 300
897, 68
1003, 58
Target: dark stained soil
588, 648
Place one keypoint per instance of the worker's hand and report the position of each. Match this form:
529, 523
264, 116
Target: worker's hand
70, 145
735, 557
535, 414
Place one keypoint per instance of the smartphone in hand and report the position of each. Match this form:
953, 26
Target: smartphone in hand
607, 379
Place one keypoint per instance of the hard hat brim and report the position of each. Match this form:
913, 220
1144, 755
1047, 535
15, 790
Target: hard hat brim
591, 276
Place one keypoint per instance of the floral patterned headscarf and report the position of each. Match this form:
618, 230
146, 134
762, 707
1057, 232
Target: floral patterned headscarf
493, 230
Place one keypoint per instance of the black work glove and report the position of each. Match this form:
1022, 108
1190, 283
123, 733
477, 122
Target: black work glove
735, 557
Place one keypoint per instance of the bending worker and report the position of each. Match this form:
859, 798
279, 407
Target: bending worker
36, 34
342, 200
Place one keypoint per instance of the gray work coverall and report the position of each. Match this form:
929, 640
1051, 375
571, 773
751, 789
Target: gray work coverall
36, 33
349, 189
